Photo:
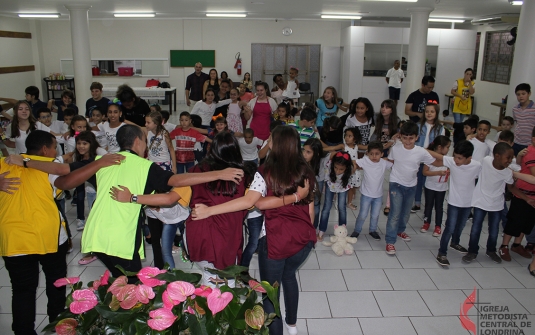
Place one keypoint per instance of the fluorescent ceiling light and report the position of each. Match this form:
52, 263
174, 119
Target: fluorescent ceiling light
134, 14
226, 14
516, 3
54, 15
392, 0
343, 17
436, 19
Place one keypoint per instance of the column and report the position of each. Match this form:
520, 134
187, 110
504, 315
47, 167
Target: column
523, 70
81, 52
417, 47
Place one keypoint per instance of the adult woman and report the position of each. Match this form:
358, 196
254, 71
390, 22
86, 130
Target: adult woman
290, 234
224, 75
463, 89
213, 82
260, 109
247, 81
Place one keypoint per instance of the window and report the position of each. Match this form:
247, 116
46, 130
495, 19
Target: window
498, 58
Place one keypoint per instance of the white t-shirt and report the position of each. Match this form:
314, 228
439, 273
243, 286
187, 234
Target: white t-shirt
406, 163
157, 149
111, 138
395, 77
169, 126
258, 185
168, 215
336, 186
249, 151
206, 111
20, 141
372, 185
63, 237
101, 138
488, 194
321, 173
462, 181
482, 149
436, 183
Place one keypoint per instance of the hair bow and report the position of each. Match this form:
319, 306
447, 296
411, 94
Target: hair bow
432, 102
76, 133
293, 67
115, 101
216, 116
344, 155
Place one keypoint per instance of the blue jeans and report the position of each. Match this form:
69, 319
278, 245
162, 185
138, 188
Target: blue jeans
365, 204
458, 117
401, 199
317, 203
327, 204
455, 223
419, 186
80, 202
477, 224
90, 199
254, 227
168, 239
503, 215
184, 167
531, 237
282, 271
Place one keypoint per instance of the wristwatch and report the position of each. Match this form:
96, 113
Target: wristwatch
25, 161
133, 199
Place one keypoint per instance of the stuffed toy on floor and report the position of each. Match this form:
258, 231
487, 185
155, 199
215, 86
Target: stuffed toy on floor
340, 243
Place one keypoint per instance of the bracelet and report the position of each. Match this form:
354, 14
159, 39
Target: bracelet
297, 197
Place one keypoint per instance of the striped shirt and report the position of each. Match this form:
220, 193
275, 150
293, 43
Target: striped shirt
525, 121
304, 133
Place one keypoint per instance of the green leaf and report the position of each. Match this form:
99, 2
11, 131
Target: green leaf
178, 275
194, 325
229, 272
90, 317
119, 317
272, 293
126, 273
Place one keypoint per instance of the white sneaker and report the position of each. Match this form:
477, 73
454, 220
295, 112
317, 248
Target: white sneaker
80, 224
292, 330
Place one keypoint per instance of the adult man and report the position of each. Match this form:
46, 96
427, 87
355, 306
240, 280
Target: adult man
194, 86
280, 86
416, 101
394, 78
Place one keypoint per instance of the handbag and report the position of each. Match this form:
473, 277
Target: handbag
153, 83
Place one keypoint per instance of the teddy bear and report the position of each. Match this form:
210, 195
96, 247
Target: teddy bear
340, 243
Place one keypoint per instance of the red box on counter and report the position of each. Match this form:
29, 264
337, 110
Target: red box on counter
126, 71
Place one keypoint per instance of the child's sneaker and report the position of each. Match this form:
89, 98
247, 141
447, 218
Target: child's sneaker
375, 236
437, 231
443, 260
459, 248
292, 330
494, 256
390, 249
355, 234
415, 209
469, 257
80, 224
404, 237
504, 253
425, 227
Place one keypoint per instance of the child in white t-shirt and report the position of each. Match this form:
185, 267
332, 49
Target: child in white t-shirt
507, 124
371, 189
249, 146
407, 158
482, 145
488, 199
464, 172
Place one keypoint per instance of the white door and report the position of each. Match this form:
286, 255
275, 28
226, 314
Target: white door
330, 68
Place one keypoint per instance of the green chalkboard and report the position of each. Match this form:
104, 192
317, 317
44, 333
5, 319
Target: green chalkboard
188, 58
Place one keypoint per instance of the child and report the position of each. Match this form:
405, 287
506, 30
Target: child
523, 115
184, 139
464, 171
351, 138
371, 197
361, 116
206, 107
249, 146
305, 126
59, 106
166, 124
488, 198
386, 125
436, 185
97, 118
220, 125
244, 94
110, 128
338, 171
328, 106
77, 125
31, 97
407, 158
155, 108
159, 144
97, 101
292, 86
482, 145
332, 132
507, 124
429, 128
283, 113
22, 124
316, 158
234, 112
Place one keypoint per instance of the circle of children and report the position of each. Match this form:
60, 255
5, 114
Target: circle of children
310, 152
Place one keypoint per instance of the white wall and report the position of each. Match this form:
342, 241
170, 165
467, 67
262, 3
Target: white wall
154, 38
456, 49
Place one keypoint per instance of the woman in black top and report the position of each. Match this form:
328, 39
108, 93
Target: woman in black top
213, 82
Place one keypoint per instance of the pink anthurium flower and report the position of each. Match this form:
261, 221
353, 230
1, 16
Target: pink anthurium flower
66, 327
161, 319
117, 285
180, 290
203, 291
190, 310
217, 301
168, 303
127, 296
66, 281
83, 300
147, 274
144, 293
96, 285
256, 286
104, 278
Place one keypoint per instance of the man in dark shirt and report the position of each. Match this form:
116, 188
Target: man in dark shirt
194, 85
96, 101
416, 101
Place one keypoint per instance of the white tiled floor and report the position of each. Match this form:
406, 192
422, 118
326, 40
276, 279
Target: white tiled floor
367, 292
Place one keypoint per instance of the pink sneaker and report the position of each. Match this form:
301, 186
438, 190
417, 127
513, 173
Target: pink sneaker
437, 231
404, 237
390, 249
425, 227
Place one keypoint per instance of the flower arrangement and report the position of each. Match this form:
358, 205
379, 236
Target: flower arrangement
166, 302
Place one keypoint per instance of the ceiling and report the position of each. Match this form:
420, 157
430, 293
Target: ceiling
265, 9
